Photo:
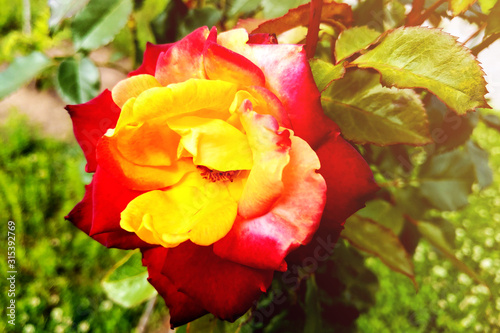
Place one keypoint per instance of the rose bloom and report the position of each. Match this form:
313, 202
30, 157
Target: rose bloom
215, 159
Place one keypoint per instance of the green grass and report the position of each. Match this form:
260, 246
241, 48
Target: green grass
59, 267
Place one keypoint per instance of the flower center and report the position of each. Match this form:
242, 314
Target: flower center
215, 175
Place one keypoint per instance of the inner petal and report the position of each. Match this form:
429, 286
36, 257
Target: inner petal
213, 143
205, 98
270, 147
195, 209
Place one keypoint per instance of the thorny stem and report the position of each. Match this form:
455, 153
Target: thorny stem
416, 11
431, 9
313, 29
113, 65
484, 44
143, 322
417, 17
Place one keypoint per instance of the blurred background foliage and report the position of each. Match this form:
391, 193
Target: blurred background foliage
439, 203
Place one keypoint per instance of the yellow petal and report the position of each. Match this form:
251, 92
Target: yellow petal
204, 98
213, 143
132, 87
150, 143
194, 209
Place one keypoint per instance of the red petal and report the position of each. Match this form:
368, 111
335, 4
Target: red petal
182, 308
262, 39
348, 177
90, 121
349, 184
150, 59
81, 217
81, 214
223, 64
184, 60
110, 198
223, 287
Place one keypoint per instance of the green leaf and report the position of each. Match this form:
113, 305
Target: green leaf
324, 72
210, 324
448, 129
61, 9
143, 18
371, 237
369, 13
436, 237
394, 14
243, 6
198, 17
417, 57
486, 5
126, 283
460, 6
384, 213
273, 8
446, 180
21, 71
412, 201
312, 307
77, 80
380, 15
354, 40
479, 158
367, 112
493, 21
99, 22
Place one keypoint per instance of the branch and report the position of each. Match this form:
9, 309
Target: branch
476, 33
417, 17
416, 11
313, 29
485, 43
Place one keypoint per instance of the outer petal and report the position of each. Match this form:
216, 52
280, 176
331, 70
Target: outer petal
265, 241
150, 59
289, 77
90, 121
110, 198
222, 287
182, 308
224, 64
270, 148
348, 177
184, 60
82, 217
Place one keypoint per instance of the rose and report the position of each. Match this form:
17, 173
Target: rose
206, 158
